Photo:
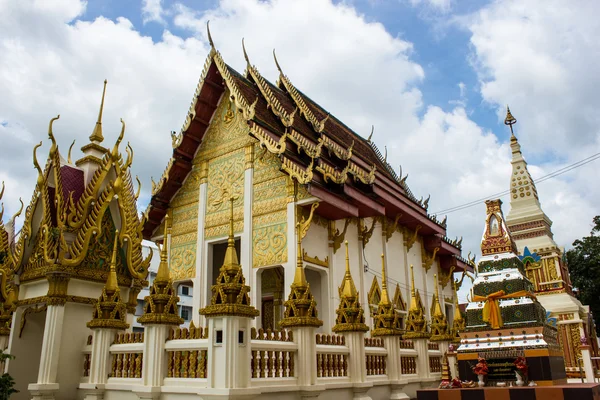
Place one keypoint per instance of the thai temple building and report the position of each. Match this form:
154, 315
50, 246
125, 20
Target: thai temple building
313, 267
544, 262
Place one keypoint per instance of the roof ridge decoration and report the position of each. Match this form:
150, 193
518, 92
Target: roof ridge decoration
110, 311
266, 140
439, 323
350, 314
385, 321
319, 126
97, 135
8, 290
286, 118
458, 322
230, 292
303, 143
161, 304
302, 175
301, 307
416, 324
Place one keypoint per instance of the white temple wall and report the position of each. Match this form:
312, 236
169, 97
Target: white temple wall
27, 350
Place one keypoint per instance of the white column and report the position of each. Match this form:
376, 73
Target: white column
392, 345
587, 363
304, 336
99, 364
246, 240
452, 364
229, 360
153, 365
422, 357
46, 386
357, 369
200, 285
290, 265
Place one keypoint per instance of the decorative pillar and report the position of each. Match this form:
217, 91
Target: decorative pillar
350, 322
160, 313
109, 316
440, 331
246, 249
451, 357
458, 323
301, 317
200, 286
46, 386
229, 318
416, 328
586, 354
388, 326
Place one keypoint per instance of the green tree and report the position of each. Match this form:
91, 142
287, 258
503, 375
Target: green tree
7, 382
584, 264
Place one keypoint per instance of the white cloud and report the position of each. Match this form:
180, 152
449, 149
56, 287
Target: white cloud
152, 11
354, 68
437, 5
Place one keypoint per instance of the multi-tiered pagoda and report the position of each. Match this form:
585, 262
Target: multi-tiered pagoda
505, 321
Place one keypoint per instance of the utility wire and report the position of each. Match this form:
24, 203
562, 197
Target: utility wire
551, 175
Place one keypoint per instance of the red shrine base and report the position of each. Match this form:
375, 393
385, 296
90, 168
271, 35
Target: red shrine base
576, 391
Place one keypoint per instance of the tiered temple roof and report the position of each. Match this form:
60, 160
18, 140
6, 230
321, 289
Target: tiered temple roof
345, 171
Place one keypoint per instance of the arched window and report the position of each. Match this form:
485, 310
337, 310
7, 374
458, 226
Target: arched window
494, 227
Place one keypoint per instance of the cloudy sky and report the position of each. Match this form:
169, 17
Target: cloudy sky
432, 76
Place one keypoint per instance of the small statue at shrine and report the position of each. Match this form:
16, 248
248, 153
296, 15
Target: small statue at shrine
481, 370
521, 370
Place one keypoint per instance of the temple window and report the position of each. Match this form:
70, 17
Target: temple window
494, 228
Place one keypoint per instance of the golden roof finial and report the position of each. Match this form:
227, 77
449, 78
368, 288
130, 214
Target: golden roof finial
210, 41
111, 282
299, 276
70, 149
277, 63
371, 134
230, 262
413, 294
54, 146
437, 311
510, 121
457, 314
162, 275
385, 298
96, 135
245, 54
348, 288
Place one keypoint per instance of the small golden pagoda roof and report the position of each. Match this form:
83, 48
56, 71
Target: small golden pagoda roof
439, 323
350, 314
230, 292
161, 305
416, 324
386, 321
301, 307
110, 311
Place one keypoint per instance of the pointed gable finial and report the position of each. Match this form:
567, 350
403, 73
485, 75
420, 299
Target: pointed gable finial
348, 288
299, 276
413, 294
385, 298
277, 63
96, 135
162, 275
210, 40
371, 136
457, 314
437, 307
111, 282
231, 261
510, 121
245, 53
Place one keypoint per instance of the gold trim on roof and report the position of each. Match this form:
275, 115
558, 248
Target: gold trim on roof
286, 118
316, 260
302, 175
267, 141
312, 150
319, 126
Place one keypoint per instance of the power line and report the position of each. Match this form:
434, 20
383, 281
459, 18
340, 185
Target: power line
551, 175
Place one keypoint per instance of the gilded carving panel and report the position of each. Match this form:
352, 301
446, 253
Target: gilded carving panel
183, 241
269, 211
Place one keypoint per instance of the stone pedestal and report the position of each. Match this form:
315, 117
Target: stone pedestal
304, 336
422, 357
588, 367
357, 370
229, 352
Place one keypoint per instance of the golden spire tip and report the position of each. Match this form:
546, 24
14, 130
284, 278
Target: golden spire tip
163, 268
97, 135
210, 40
111, 282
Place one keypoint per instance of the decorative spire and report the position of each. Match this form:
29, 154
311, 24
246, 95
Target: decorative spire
110, 311
458, 323
439, 323
385, 298
416, 325
230, 292
510, 121
386, 321
111, 283
161, 305
301, 307
350, 315
96, 136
